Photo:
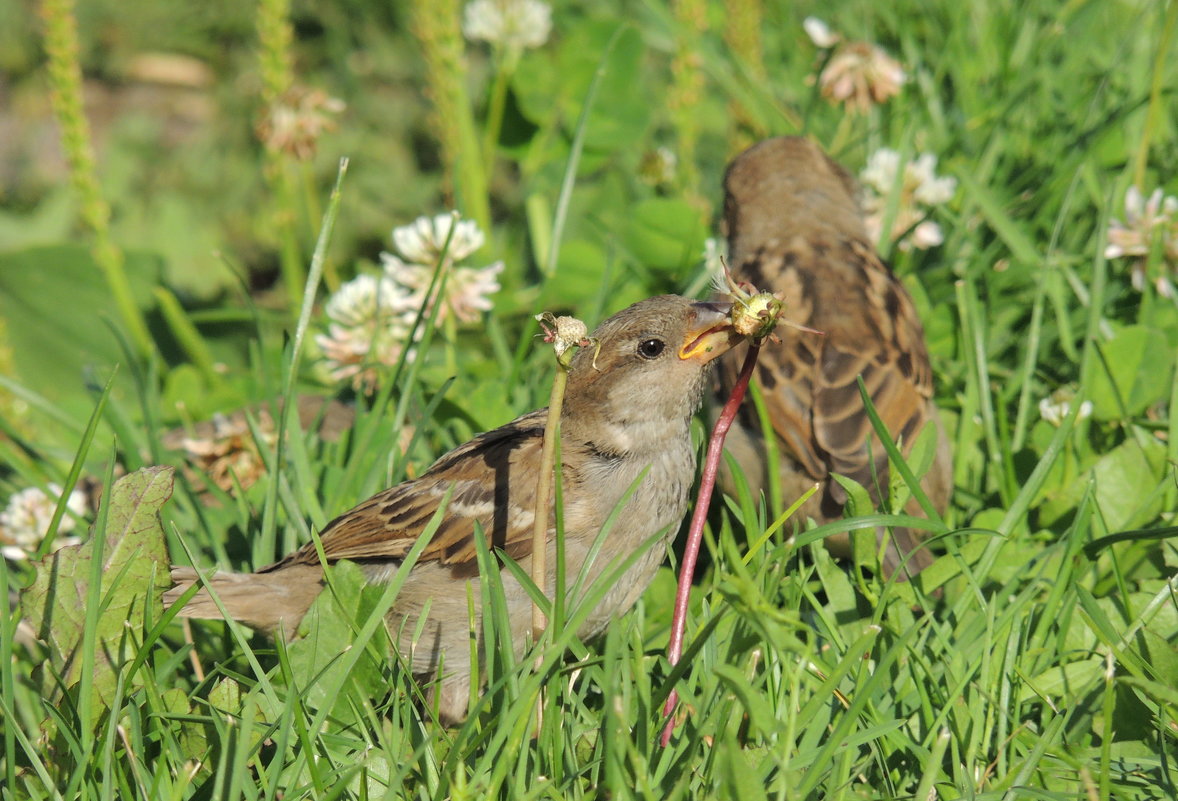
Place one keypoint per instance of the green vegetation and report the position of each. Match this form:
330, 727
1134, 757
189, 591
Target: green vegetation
154, 274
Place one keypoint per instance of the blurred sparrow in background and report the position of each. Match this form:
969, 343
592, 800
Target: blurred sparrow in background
794, 226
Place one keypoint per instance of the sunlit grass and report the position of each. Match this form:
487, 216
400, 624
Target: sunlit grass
1035, 657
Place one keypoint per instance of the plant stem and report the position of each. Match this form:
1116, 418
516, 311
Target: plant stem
698, 517
65, 79
496, 104
435, 24
275, 64
544, 487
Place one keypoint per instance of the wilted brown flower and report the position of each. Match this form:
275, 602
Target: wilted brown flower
295, 123
858, 74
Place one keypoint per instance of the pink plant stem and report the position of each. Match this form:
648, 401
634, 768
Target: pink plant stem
695, 534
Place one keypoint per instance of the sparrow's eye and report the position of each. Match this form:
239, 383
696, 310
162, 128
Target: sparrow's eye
651, 348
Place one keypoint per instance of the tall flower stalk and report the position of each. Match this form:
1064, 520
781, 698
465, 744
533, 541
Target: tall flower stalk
274, 56
435, 24
65, 80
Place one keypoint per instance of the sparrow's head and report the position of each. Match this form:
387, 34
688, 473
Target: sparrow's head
647, 373
784, 185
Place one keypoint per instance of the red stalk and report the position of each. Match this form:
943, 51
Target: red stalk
695, 534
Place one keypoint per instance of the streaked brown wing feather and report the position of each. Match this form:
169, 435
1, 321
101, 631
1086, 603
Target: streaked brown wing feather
839, 286
477, 474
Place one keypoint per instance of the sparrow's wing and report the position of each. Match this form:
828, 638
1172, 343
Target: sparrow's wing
837, 284
491, 481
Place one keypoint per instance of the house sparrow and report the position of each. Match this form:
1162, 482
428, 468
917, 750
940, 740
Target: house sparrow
627, 414
794, 225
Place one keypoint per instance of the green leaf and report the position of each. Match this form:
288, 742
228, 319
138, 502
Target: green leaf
1126, 483
1134, 371
134, 573
327, 631
665, 234
55, 305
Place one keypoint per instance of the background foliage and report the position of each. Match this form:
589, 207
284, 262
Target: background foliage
1045, 659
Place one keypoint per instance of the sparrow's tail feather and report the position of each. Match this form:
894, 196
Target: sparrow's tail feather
259, 600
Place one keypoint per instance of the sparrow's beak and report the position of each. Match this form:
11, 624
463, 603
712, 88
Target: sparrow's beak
710, 334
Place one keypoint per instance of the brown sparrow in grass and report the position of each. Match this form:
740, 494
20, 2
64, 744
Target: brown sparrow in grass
794, 226
626, 419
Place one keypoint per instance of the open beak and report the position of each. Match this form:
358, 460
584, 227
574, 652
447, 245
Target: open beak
710, 334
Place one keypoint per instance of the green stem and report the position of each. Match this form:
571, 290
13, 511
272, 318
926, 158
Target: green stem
65, 78
188, 336
1155, 94
544, 487
496, 104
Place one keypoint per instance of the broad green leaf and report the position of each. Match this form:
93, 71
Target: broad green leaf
1135, 371
134, 573
1064, 684
57, 311
1126, 479
327, 631
665, 234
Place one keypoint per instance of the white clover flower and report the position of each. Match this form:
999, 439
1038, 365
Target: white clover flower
715, 257
371, 318
931, 189
927, 234
1147, 222
880, 172
920, 188
423, 240
511, 24
368, 298
820, 33
1058, 405
466, 294
25, 521
658, 167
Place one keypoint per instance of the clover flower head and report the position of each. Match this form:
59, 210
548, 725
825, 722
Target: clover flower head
371, 317
1058, 405
1148, 223
920, 189
859, 75
423, 241
820, 33
25, 521
296, 121
658, 167
511, 24
467, 292
715, 257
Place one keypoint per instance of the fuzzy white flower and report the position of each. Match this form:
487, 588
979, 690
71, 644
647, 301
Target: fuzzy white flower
931, 189
820, 33
1058, 405
658, 167
25, 521
370, 322
715, 257
1147, 223
881, 169
467, 292
927, 234
424, 240
919, 189
512, 24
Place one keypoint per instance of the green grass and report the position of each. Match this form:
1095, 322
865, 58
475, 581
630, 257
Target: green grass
1037, 658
